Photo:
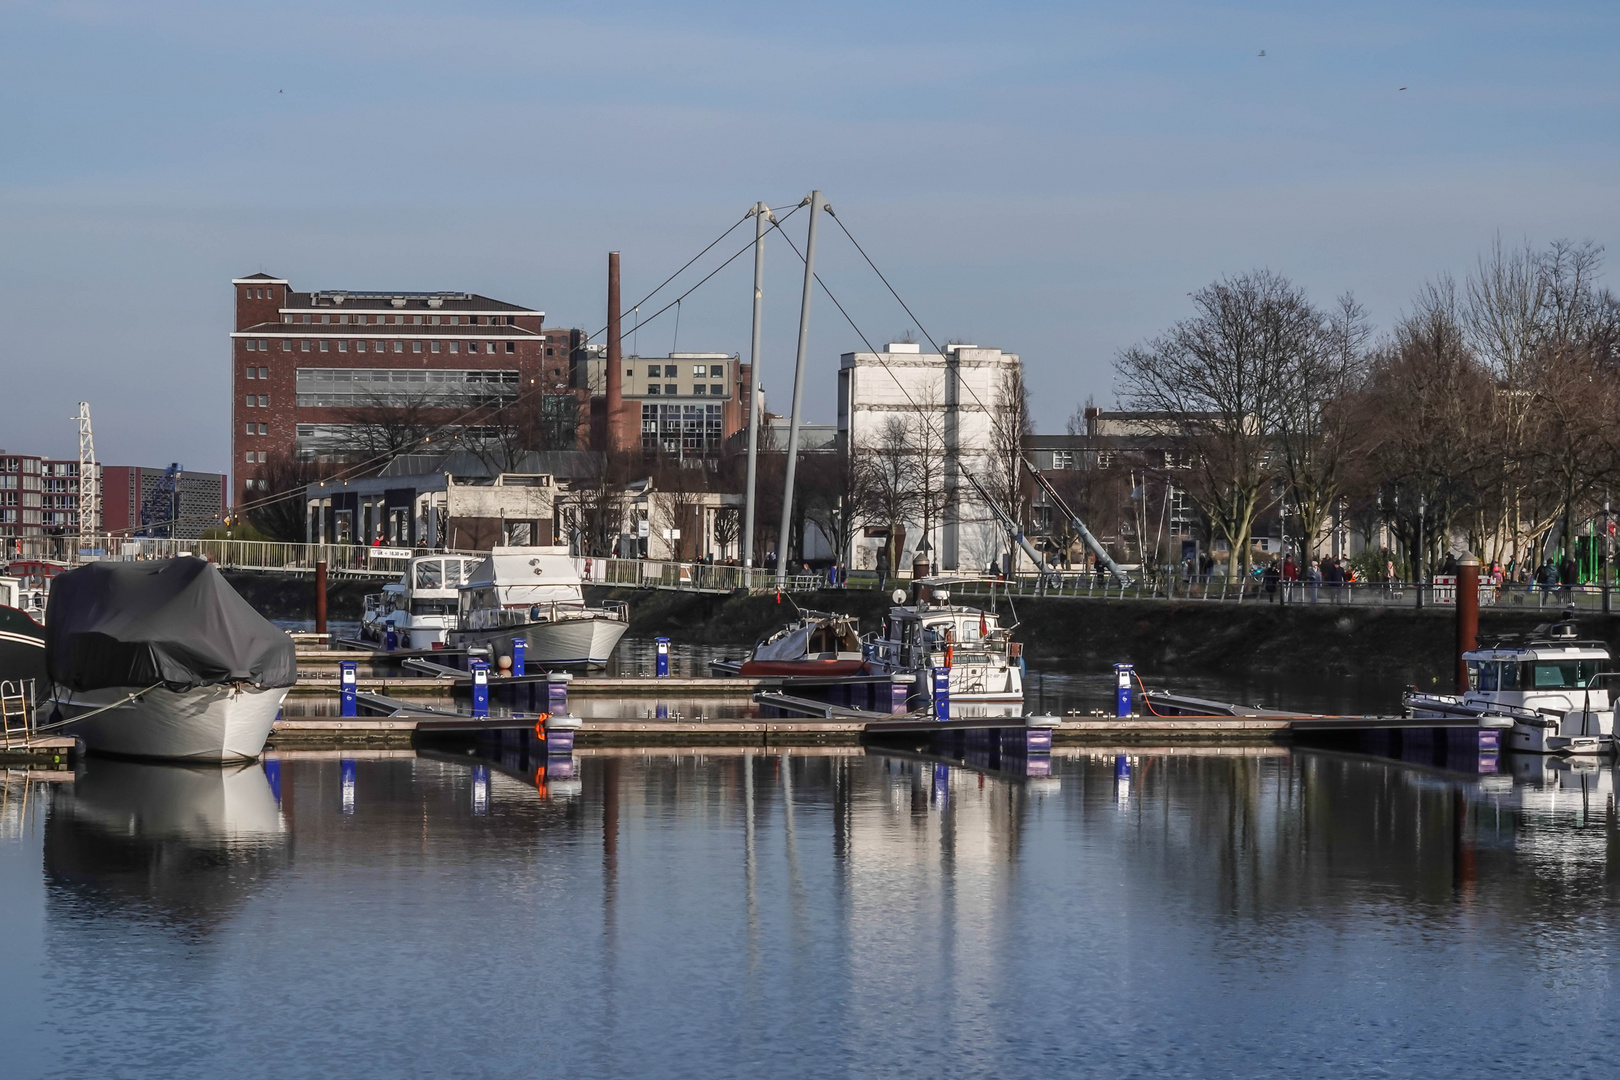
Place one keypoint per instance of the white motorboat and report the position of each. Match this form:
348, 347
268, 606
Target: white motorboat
1551, 684
985, 664
536, 593
163, 659
421, 605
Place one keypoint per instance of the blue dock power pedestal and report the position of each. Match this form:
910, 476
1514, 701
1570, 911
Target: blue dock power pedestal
1122, 689
942, 693
661, 647
519, 646
348, 677
480, 687
390, 638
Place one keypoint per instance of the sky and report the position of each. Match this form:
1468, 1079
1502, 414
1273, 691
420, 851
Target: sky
1052, 179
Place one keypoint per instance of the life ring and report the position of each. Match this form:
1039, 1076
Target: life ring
540, 726
949, 653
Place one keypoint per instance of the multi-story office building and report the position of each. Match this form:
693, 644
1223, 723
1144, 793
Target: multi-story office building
22, 510
689, 403
140, 499
946, 408
359, 376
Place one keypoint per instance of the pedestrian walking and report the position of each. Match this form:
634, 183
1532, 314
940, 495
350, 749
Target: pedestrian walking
1313, 580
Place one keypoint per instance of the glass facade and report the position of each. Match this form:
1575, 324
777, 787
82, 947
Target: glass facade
679, 429
400, 387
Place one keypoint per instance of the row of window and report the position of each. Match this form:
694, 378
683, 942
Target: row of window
360, 319
12, 481
344, 345
257, 401
672, 371
447, 387
258, 373
681, 429
255, 457
258, 429
700, 390
26, 465
26, 498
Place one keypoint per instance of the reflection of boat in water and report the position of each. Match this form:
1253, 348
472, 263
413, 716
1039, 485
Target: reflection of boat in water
535, 593
188, 837
1550, 684
986, 672
815, 643
163, 659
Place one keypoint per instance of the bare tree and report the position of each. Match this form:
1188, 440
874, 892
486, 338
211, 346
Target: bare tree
888, 484
278, 512
1317, 430
1220, 378
1010, 425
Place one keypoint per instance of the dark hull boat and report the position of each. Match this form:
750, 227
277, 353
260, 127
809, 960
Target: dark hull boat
22, 649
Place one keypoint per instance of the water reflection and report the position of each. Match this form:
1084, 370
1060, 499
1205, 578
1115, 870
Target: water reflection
188, 841
745, 911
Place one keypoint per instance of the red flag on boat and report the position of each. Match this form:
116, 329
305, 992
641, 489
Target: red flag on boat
984, 626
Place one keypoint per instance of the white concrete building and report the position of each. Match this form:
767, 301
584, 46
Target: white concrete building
949, 403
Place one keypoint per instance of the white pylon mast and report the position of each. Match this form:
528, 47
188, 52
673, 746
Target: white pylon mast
89, 489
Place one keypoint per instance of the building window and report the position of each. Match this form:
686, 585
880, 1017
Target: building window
716, 371
264, 345
399, 346
250, 457
264, 373
511, 346
323, 344
653, 371
651, 389
472, 346
454, 345
671, 389
253, 373
1063, 459
252, 401
264, 401
264, 429
701, 390
359, 346
251, 345
416, 346
304, 345
343, 346
286, 345
717, 391
253, 429
548, 350
435, 344
700, 370
377, 346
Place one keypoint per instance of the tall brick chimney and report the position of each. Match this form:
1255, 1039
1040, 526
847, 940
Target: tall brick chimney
615, 368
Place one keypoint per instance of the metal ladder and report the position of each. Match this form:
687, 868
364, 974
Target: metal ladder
16, 711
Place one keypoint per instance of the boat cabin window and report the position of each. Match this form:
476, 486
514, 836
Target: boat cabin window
1562, 674
433, 607
1509, 677
1483, 676
430, 574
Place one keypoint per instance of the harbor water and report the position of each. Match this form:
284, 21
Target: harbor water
1236, 912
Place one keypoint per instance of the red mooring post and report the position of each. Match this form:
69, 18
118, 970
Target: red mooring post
1467, 615
320, 597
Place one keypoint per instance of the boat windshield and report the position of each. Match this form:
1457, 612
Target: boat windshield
1561, 674
430, 574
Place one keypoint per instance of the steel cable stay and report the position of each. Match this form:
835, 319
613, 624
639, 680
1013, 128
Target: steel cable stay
1074, 519
1006, 519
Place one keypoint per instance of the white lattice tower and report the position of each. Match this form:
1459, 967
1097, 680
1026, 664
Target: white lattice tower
89, 490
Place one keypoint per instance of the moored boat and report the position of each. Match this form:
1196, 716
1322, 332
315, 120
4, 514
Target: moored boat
535, 593
163, 659
815, 643
22, 639
985, 664
1551, 684
421, 606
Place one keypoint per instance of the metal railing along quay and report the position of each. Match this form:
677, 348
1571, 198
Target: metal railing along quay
1440, 593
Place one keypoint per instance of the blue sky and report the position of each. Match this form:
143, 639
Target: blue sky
1052, 179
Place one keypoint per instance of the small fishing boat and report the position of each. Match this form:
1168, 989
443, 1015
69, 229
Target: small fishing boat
815, 643
1551, 684
536, 593
985, 664
421, 606
163, 659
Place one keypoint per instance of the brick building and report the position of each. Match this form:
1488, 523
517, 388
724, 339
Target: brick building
353, 376
689, 403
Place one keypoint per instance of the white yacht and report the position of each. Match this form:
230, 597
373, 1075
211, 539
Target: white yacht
1551, 684
986, 669
535, 593
421, 605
